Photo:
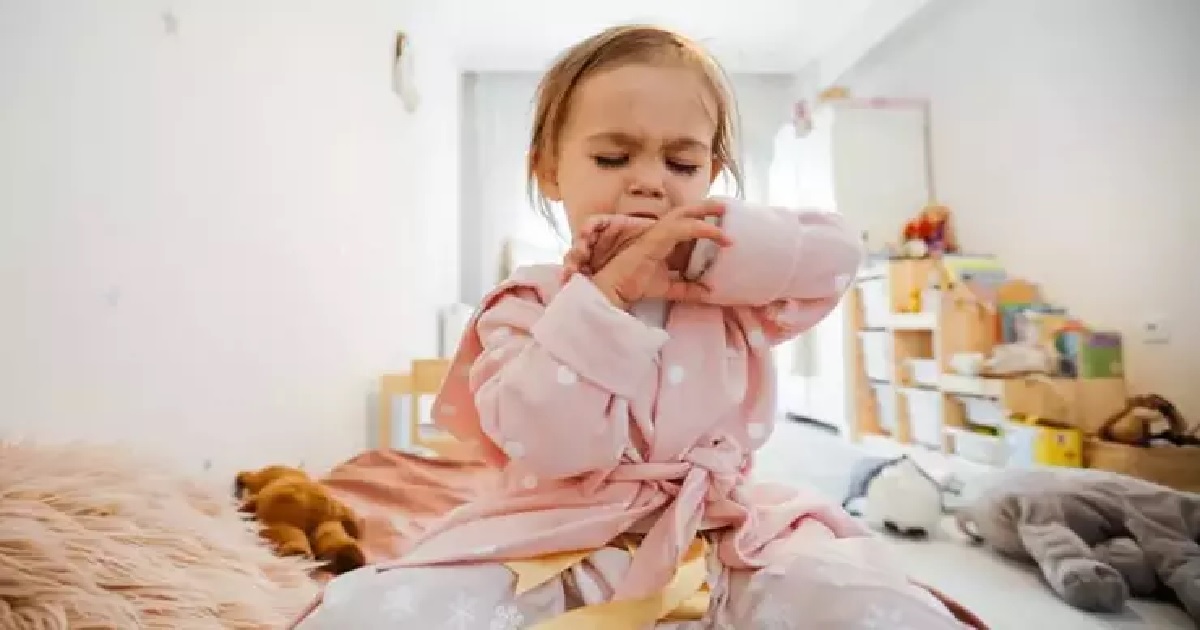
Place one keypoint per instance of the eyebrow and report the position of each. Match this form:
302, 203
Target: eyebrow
631, 141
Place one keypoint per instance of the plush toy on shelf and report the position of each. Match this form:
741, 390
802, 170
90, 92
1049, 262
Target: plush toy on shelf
301, 518
929, 233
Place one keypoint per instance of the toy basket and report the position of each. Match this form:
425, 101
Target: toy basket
1172, 466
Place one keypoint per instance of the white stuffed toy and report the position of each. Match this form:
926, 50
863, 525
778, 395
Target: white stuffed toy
900, 497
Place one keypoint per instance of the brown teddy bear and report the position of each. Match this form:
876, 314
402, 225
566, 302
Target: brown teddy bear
301, 518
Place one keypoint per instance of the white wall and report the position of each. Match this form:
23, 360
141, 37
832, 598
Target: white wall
212, 241
497, 118
1067, 141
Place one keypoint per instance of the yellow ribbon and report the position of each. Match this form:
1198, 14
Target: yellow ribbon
685, 598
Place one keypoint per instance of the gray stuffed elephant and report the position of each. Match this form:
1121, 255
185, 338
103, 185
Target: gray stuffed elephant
1097, 537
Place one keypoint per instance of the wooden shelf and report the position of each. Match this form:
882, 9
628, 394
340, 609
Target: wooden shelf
921, 310
918, 322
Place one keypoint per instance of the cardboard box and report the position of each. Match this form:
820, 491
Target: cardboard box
1091, 354
1083, 403
1095, 400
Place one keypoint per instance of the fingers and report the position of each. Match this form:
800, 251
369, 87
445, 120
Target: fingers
596, 237
594, 226
604, 238
677, 289
685, 291
670, 232
577, 259
702, 210
608, 235
623, 221
698, 229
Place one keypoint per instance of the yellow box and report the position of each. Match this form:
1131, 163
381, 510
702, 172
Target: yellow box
1033, 440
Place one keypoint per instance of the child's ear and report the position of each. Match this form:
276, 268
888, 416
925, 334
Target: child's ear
546, 173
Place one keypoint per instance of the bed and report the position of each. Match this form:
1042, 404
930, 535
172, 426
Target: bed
397, 494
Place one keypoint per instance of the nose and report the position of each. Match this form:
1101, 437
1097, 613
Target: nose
647, 181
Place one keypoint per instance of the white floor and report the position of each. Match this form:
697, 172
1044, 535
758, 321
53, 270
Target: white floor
1005, 595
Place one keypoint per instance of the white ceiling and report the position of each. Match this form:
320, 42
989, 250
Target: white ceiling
745, 35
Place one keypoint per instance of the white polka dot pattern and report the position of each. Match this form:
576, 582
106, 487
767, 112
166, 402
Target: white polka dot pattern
500, 335
676, 374
566, 376
514, 449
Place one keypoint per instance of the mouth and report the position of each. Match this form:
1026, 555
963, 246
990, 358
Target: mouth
644, 215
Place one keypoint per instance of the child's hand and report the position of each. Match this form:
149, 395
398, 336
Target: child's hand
601, 238
634, 259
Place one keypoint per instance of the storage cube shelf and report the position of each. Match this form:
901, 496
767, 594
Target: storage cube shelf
983, 411
877, 354
885, 406
924, 411
924, 372
983, 449
907, 319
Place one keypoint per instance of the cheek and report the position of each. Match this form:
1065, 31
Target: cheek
588, 191
689, 190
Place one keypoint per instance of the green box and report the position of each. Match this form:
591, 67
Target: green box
1092, 354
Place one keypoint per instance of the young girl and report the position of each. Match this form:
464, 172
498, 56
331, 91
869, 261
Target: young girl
623, 394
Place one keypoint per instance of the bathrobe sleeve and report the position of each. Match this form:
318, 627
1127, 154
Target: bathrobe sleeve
788, 268
542, 373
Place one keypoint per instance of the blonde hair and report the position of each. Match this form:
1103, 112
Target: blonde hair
615, 47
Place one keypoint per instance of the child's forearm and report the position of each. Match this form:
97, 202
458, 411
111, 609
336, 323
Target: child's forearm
777, 255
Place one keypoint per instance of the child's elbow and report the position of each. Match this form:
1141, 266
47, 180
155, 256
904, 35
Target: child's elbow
837, 241
830, 253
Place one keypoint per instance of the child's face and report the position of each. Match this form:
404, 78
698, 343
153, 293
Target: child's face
637, 141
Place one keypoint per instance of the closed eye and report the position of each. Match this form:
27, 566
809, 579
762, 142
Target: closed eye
618, 161
611, 161
682, 168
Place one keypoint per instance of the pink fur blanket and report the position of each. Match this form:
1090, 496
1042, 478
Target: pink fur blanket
95, 538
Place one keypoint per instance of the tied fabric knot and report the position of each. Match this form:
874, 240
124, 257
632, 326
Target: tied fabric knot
702, 474
723, 462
